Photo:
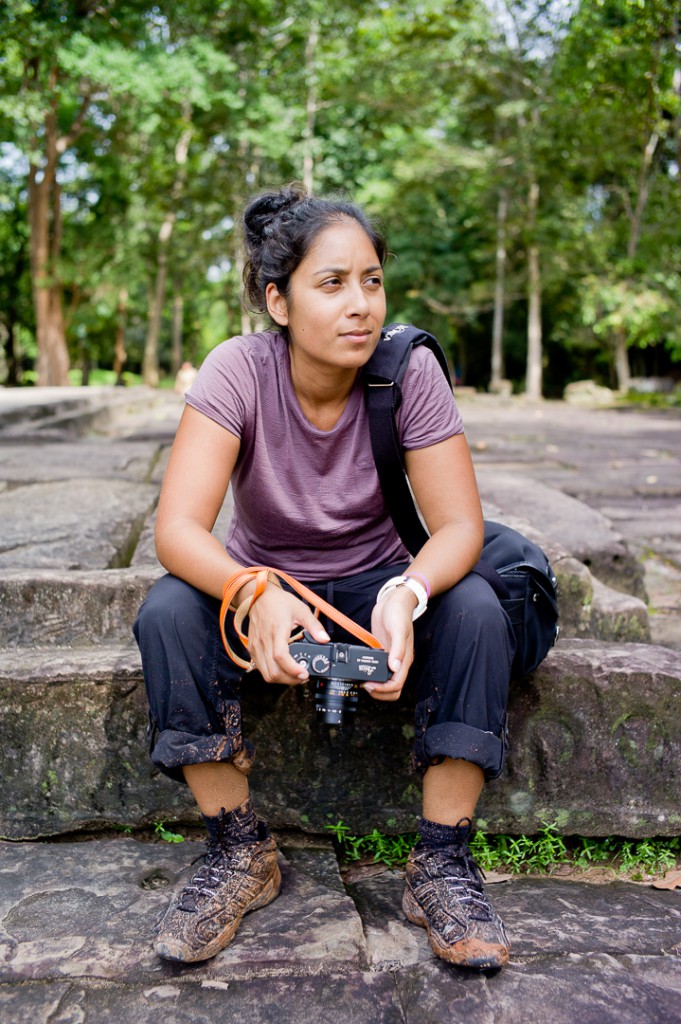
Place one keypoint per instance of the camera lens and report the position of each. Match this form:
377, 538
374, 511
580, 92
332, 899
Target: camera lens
334, 698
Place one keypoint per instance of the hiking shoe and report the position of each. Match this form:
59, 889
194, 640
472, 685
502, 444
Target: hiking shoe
445, 895
204, 915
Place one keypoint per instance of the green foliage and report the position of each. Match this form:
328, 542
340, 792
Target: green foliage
493, 104
166, 835
539, 854
652, 856
383, 849
647, 311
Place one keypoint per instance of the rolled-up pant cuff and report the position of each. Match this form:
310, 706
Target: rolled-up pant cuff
173, 750
459, 741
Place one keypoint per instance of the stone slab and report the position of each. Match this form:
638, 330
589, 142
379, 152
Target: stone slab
74, 749
586, 453
87, 910
73, 524
583, 531
364, 998
595, 744
595, 748
613, 615
41, 462
587, 606
57, 607
76, 921
588, 989
544, 917
60, 414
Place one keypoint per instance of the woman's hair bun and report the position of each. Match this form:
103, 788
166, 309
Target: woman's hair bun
265, 208
279, 228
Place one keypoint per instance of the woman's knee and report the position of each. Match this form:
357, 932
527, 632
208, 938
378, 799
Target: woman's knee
169, 603
471, 607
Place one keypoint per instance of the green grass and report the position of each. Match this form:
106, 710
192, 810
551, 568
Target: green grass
107, 378
652, 399
541, 853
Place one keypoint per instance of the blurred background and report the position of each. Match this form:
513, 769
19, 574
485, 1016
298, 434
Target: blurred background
523, 159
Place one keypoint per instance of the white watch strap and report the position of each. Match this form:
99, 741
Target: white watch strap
416, 588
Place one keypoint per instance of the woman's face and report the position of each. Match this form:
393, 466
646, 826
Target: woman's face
336, 304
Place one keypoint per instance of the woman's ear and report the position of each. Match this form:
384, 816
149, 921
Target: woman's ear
276, 305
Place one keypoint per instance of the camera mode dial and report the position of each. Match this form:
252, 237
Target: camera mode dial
320, 665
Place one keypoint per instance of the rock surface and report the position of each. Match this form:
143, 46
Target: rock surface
76, 922
76, 918
594, 723
595, 747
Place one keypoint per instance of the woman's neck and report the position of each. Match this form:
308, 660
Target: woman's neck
321, 394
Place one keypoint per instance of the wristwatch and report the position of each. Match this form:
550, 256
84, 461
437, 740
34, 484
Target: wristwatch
416, 588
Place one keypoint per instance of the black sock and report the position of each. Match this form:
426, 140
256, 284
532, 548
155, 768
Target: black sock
432, 834
229, 828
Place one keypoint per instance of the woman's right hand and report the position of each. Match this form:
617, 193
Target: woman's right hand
271, 621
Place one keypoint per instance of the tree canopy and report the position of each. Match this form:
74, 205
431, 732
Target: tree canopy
524, 159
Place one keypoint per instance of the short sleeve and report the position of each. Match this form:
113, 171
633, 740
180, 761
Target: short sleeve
428, 413
224, 389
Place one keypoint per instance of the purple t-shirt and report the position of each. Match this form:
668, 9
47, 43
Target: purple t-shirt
308, 501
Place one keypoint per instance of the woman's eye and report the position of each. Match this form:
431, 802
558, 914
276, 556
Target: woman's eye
331, 282
374, 282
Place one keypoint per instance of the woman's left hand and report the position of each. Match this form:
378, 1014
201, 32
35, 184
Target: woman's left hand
391, 622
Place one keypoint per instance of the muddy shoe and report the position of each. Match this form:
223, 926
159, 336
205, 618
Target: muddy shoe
445, 895
205, 914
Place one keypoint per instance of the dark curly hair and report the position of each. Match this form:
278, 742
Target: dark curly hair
280, 227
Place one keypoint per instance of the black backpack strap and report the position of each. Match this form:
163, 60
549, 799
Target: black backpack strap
489, 573
383, 375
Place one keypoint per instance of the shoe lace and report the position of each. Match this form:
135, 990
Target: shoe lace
206, 881
458, 868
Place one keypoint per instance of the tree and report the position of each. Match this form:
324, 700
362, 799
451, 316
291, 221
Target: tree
618, 66
60, 69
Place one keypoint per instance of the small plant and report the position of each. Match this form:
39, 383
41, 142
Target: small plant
383, 849
166, 835
541, 853
520, 853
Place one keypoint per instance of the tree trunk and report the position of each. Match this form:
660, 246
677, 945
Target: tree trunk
643, 191
44, 218
11, 359
53, 355
533, 377
157, 293
120, 351
177, 330
156, 303
622, 367
310, 104
499, 292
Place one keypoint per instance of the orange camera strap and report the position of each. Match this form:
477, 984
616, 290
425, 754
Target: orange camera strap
262, 575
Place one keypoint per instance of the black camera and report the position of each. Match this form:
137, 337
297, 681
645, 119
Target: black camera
337, 670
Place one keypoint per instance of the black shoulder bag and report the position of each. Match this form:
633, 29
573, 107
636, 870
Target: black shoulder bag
516, 568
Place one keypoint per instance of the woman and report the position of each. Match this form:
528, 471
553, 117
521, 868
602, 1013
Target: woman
281, 415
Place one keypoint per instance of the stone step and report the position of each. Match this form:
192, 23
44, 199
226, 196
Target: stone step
50, 413
595, 733
583, 531
74, 609
102, 604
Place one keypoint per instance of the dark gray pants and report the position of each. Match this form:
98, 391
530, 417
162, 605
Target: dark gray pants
458, 683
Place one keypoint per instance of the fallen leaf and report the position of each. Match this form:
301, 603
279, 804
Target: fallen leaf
495, 876
672, 880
